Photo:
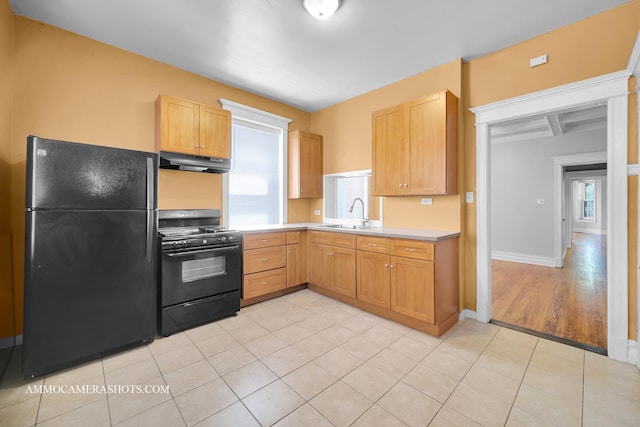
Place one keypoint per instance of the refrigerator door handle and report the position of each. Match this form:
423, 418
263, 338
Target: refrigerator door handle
149, 247
150, 184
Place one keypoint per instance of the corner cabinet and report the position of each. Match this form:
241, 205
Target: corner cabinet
305, 165
332, 261
188, 127
415, 147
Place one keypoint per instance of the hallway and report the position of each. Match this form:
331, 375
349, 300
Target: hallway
569, 303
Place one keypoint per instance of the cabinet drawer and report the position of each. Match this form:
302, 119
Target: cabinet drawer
416, 249
264, 283
320, 237
374, 244
264, 259
293, 237
344, 240
263, 240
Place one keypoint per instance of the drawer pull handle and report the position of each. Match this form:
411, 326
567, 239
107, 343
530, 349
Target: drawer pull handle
265, 259
264, 283
264, 240
372, 244
409, 249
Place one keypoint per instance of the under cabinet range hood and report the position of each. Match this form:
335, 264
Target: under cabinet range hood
193, 163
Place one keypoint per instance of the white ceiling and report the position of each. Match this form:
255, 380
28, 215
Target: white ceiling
578, 119
275, 49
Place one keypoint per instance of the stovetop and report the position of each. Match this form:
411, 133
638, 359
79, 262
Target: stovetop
192, 228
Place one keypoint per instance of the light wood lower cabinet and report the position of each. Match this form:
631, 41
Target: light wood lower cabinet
296, 258
374, 277
412, 288
332, 261
272, 262
410, 281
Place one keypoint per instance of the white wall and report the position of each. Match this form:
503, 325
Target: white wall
522, 174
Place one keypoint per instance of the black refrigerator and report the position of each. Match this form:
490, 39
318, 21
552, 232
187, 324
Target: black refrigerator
90, 252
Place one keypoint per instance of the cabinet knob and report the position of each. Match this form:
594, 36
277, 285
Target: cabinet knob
392, 266
386, 265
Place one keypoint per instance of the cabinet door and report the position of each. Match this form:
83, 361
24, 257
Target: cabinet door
426, 163
412, 288
296, 268
373, 278
344, 267
310, 166
215, 132
389, 151
320, 266
305, 165
179, 121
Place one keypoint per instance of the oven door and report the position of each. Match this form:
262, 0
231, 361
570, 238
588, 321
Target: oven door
194, 273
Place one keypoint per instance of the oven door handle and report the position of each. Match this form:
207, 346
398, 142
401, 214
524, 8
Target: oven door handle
189, 253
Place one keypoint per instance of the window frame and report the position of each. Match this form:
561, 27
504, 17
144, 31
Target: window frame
244, 115
326, 182
583, 200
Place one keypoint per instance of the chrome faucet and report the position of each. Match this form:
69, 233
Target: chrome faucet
363, 222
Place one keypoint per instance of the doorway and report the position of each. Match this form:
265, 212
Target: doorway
611, 89
532, 209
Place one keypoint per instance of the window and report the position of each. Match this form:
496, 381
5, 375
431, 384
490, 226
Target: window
340, 193
589, 200
254, 189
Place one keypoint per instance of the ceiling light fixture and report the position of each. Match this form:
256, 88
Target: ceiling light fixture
321, 9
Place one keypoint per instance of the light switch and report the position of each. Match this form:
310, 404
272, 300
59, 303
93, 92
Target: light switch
316, 212
540, 201
426, 201
469, 197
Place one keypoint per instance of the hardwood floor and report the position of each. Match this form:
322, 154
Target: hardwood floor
569, 302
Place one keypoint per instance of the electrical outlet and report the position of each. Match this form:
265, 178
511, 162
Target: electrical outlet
316, 212
540, 201
426, 201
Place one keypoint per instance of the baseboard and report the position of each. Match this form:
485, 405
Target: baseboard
589, 231
525, 259
468, 314
632, 353
19, 339
8, 342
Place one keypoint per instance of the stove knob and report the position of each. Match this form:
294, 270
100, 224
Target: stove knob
231, 238
223, 239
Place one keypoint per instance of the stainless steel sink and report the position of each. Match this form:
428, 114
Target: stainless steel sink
344, 226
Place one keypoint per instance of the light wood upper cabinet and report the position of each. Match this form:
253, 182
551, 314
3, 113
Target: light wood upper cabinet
305, 165
188, 127
415, 147
215, 132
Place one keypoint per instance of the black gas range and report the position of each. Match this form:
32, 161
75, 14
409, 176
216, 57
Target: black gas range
200, 270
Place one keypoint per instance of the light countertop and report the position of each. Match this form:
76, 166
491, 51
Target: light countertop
402, 233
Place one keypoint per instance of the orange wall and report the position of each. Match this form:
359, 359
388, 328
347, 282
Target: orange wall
592, 47
73, 88
6, 96
346, 129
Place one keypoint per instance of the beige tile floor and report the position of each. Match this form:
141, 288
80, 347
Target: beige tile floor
306, 360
